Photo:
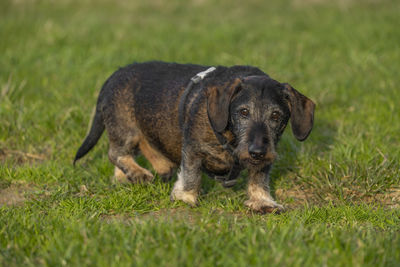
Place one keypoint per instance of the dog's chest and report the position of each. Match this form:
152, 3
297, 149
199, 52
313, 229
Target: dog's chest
217, 160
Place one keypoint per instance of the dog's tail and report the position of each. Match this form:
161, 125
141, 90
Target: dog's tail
95, 132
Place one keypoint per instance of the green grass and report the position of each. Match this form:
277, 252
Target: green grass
341, 186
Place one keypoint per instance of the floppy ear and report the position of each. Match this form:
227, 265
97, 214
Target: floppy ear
218, 100
302, 113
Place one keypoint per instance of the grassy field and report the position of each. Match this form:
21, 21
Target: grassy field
341, 186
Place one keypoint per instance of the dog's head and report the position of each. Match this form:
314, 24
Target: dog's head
257, 109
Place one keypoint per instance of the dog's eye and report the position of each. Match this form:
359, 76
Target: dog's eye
275, 116
244, 112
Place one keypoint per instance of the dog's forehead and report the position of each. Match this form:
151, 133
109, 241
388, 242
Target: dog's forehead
263, 89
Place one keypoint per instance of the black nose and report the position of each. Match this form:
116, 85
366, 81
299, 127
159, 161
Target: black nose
256, 152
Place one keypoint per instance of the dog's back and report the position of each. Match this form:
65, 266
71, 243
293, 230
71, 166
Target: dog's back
157, 88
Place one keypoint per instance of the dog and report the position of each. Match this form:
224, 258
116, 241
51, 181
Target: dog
198, 118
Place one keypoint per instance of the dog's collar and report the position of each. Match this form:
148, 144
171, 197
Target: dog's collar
230, 179
194, 80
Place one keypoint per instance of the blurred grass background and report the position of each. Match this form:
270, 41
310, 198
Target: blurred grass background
341, 186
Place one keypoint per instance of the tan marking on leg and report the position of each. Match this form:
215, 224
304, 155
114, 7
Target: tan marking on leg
178, 192
161, 164
260, 199
134, 172
119, 176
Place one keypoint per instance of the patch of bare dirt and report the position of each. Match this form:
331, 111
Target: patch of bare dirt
295, 197
15, 194
186, 215
160, 215
343, 4
178, 214
298, 196
391, 198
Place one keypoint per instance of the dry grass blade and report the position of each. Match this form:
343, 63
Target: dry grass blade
5, 152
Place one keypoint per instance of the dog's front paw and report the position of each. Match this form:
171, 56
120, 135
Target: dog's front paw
189, 197
141, 177
264, 206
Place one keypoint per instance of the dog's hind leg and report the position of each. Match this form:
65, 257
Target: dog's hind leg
130, 149
122, 152
163, 166
124, 135
126, 167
